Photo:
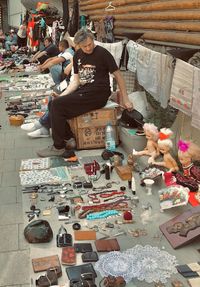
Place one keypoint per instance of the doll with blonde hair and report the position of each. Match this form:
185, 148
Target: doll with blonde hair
151, 149
188, 152
165, 145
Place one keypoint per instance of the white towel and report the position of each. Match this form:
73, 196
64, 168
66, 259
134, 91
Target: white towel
147, 72
182, 87
166, 75
132, 49
114, 48
196, 99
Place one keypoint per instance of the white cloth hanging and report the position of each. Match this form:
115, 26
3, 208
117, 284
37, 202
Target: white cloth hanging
196, 99
182, 87
132, 48
114, 48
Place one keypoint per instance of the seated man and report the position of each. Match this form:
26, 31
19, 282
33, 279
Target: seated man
50, 50
89, 90
11, 40
57, 64
41, 127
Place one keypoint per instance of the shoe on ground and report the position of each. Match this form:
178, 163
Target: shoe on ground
39, 133
70, 144
50, 151
31, 127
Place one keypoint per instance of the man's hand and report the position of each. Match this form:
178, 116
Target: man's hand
55, 95
128, 105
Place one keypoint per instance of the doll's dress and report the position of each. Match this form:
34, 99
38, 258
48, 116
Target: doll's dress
190, 177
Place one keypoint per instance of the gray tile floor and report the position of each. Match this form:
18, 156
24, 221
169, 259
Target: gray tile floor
14, 251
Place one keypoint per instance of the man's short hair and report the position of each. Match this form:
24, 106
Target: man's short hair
48, 39
81, 35
64, 43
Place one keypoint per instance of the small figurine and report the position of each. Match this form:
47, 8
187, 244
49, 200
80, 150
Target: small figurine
187, 153
165, 145
151, 149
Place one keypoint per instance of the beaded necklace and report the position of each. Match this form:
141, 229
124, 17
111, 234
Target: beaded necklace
102, 214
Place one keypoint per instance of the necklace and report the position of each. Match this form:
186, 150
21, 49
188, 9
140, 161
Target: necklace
102, 214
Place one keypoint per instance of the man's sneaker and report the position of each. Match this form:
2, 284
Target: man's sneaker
31, 127
39, 133
50, 151
70, 144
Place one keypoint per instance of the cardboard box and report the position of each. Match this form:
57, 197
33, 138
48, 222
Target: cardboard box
89, 128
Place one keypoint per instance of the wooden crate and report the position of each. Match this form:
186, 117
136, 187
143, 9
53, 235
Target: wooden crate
89, 128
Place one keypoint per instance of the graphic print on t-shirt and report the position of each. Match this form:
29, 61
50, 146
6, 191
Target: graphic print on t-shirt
86, 73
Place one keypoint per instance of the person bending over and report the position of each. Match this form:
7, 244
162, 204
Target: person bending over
57, 64
89, 90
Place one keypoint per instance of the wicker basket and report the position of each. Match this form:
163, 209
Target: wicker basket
16, 120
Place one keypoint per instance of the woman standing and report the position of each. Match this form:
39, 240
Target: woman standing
22, 35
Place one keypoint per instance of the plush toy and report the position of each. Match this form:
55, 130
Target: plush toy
151, 149
164, 146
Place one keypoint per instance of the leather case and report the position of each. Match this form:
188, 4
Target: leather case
90, 256
44, 263
68, 256
105, 245
83, 247
85, 235
74, 272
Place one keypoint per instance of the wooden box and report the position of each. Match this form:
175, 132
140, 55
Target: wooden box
89, 128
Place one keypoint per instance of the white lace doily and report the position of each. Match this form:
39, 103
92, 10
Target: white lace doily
141, 262
116, 264
152, 264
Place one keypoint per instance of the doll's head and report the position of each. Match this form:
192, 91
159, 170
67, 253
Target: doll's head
164, 141
151, 131
188, 152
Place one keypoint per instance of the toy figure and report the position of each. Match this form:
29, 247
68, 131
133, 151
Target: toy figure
164, 146
187, 153
151, 149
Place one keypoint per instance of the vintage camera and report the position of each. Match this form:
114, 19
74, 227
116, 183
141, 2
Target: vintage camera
64, 240
87, 279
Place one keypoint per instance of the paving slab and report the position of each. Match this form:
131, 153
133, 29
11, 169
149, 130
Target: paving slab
19, 194
18, 153
11, 214
1, 154
23, 244
7, 165
9, 238
8, 195
14, 268
10, 178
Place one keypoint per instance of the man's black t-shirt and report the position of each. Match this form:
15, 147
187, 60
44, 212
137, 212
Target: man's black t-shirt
93, 69
51, 50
